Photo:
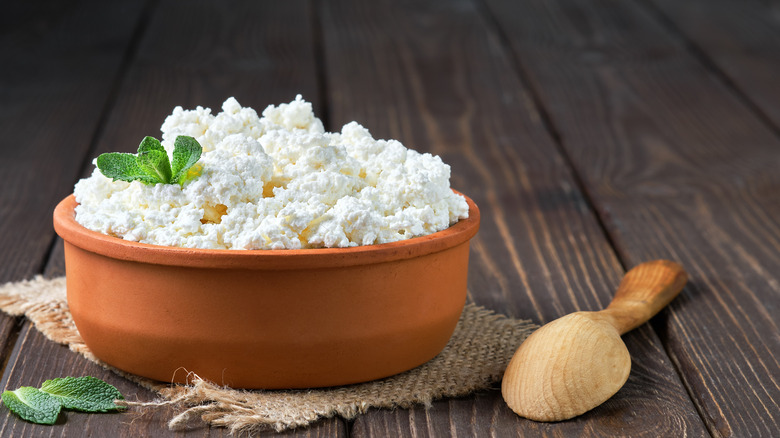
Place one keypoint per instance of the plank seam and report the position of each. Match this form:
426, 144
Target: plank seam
8, 350
130, 53
548, 124
709, 427
700, 55
127, 57
320, 71
44, 261
13, 337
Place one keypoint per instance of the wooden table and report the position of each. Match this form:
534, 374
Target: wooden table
594, 135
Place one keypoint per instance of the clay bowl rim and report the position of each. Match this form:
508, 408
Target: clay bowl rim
74, 233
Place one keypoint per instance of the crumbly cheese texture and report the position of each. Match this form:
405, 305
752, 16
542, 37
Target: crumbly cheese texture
277, 182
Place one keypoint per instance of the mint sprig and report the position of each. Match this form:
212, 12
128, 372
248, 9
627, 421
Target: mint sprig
43, 405
151, 164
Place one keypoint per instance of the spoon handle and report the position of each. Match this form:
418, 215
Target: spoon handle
646, 289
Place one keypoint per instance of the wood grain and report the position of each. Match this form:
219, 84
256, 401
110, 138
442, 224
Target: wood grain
199, 53
54, 84
191, 53
644, 291
437, 78
656, 121
741, 38
59, 66
59, 361
575, 363
679, 167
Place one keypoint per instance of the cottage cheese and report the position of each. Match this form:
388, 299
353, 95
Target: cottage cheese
277, 182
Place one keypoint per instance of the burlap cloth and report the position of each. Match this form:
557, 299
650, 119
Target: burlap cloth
474, 359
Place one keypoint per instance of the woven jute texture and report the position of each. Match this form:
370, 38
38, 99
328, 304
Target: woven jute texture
474, 359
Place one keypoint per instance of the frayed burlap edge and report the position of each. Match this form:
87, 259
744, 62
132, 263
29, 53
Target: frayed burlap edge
474, 359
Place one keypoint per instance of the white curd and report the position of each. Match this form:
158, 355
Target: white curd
277, 182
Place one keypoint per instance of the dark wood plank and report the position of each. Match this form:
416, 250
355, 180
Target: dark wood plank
485, 414
59, 66
200, 53
59, 361
437, 78
677, 167
192, 53
137, 422
741, 38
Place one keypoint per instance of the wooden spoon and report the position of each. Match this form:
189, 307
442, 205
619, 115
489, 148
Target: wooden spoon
577, 362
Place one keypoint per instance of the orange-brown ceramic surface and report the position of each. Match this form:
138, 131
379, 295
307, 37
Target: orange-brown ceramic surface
265, 319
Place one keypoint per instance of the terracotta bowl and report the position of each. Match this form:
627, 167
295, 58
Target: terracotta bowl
265, 319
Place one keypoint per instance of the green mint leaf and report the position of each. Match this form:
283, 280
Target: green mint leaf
186, 152
32, 405
150, 144
122, 166
86, 394
155, 164
151, 165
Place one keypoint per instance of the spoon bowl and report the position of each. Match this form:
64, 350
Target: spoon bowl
579, 361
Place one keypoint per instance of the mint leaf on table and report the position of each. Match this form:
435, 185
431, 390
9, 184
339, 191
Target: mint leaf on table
86, 394
151, 165
43, 405
32, 404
